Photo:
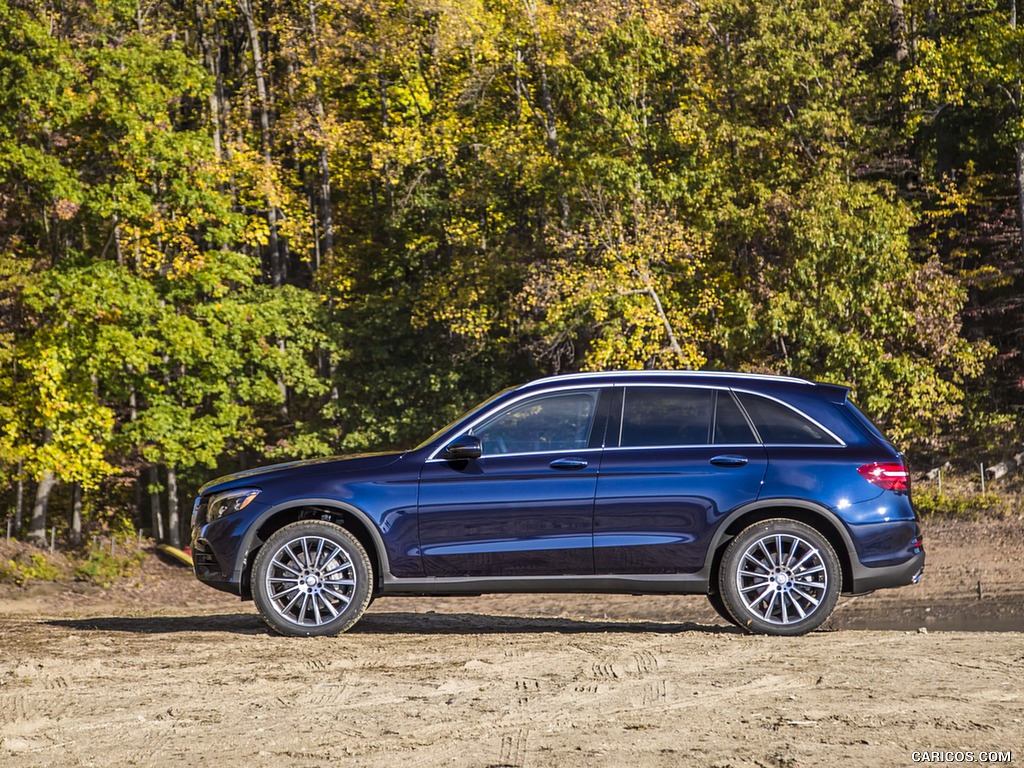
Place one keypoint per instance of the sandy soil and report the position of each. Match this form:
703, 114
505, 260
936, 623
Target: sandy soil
164, 672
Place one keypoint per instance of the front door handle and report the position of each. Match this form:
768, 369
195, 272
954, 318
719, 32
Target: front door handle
568, 463
730, 460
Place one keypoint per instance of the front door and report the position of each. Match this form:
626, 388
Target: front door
526, 506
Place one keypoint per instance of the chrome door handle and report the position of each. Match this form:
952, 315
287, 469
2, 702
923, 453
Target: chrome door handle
568, 463
730, 460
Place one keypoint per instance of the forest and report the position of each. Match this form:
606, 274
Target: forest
234, 232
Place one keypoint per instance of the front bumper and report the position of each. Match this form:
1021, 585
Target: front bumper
208, 569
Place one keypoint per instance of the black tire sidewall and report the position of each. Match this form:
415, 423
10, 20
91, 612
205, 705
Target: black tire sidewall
362, 568
729, 590
716, 601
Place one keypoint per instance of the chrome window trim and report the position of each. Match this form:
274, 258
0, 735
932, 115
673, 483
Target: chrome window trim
718, 446
563, 451
727, 375
714, 447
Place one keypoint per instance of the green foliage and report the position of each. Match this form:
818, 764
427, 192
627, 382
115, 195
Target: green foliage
97, 566
933, 504
408, 205
103, 569
838, 298
26, 568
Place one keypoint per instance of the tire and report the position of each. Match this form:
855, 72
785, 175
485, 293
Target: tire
312, 578
719, 605
780, 577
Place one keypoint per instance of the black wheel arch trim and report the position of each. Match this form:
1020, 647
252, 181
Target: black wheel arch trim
248, 545
861, 579
847, 557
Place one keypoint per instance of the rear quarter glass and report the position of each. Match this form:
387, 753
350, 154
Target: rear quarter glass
819, 403
855, 416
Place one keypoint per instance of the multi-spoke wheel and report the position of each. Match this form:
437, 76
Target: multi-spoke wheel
780, 577
311, 578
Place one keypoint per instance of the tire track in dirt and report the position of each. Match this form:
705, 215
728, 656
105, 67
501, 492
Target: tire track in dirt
525, 689
513, 749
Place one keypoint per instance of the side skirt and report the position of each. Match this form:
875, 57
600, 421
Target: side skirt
645, 584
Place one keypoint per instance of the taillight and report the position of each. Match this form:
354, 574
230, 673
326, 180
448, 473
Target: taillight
888, 475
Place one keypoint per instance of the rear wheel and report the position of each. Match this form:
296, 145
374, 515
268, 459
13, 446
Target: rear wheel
312, 578
780, 577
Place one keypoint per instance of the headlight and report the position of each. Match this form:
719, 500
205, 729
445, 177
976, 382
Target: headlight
230, 501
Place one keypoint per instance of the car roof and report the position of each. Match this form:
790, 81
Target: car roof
759, 382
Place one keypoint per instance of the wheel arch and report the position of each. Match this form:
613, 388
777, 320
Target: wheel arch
346, 516
818, 517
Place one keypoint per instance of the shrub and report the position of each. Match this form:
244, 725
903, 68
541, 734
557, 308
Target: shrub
104, 569
24, 568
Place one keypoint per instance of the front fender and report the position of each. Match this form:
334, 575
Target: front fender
252, 541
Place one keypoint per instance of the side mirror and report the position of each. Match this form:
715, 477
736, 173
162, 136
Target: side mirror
465, 447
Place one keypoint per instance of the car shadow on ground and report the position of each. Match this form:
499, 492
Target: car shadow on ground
390, 623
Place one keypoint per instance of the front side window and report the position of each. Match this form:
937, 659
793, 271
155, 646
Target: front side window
665, 416
555, 422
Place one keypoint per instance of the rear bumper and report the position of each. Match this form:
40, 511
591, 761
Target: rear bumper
869, 579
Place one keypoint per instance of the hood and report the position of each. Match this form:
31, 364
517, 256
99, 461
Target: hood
257, 475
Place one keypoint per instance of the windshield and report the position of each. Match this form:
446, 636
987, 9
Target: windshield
475, 408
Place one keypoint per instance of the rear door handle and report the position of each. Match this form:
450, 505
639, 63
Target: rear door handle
568, 463
730, 460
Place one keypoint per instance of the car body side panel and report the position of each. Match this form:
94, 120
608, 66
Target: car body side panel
657, 508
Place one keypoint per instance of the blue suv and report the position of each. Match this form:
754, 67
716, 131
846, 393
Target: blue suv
771, 496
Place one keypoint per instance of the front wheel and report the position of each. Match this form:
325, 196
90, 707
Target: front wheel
719, 605
312, 578
780, 577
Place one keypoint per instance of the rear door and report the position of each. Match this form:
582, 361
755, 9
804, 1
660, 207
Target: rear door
677, 459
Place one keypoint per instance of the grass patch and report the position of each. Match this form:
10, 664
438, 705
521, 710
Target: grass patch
104, 569
27, 567
23, 564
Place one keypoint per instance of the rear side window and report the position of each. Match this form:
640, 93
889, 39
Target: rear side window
779, 425
731, 427
662, 416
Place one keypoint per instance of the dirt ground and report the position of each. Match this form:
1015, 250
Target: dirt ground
165, 672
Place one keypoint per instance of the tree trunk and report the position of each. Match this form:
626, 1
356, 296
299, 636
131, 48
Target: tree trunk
37, 526
274, 243
76, 513
1020, 195
19, 499
325, 243
1019, 147
173, 521
211, 60
547, 103
898, 30
154, 503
